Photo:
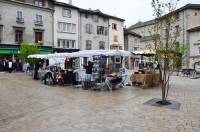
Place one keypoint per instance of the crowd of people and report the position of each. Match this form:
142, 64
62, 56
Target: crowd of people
9, 65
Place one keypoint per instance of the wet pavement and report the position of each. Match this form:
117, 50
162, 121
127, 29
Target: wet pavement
29, 106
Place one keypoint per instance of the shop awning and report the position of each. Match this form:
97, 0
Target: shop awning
16, 51
9, 51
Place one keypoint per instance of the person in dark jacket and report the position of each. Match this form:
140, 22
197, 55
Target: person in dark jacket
37, 66
89, 68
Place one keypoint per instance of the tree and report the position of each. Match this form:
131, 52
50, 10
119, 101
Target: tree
27, 49
168, 54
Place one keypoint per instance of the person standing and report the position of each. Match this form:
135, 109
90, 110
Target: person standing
4, 65
37, 66
88, 77
10, 65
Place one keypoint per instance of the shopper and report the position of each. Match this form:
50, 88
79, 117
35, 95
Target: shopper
10, 66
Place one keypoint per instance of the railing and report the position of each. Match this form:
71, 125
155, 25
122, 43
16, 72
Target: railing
20, 20
39, 23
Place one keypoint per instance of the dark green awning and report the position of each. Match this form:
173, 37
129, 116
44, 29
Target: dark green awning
16, 51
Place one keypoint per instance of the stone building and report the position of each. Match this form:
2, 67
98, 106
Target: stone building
188, 20
25, 20
66, 27
100, 31
132, 43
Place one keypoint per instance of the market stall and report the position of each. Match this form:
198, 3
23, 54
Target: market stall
104, 62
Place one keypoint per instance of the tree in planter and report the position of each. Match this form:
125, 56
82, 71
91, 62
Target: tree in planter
165, 42
27, 49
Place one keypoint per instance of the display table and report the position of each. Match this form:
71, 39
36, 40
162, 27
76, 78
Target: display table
146, 80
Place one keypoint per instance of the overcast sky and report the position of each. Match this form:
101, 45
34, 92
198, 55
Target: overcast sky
130, 10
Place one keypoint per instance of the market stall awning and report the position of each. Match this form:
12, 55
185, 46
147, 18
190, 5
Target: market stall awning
144, 52
84, 53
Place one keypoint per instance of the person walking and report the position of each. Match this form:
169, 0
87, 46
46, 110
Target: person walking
88, 77
4, 65
10, 65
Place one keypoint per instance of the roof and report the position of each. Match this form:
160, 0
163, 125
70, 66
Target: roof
195, 29
65, 5
88, 11
142, 24
126, 31
98, 12
151, 22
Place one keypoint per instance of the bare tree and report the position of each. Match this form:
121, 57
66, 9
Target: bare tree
165, 41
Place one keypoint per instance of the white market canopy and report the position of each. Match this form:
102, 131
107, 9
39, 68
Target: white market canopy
38, 56
84, 53
144, 52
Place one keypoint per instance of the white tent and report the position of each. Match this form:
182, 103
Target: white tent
144, 52
38, 56
84, 53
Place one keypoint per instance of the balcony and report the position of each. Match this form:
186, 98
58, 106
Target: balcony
20, 20
38, 23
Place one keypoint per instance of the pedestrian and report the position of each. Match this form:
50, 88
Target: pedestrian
10, 65
4, 65
88, 76
37, 66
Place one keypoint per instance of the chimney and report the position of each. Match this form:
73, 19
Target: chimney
70, 2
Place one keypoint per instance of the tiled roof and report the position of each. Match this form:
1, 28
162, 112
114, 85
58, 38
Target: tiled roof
195, 29
65, 5
98, 12
88, 11
127, 31
142, 24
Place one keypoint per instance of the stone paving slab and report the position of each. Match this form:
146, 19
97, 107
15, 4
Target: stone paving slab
28, 106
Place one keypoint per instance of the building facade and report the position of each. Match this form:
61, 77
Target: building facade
100, 31
93, 30
131, 43
25, 20
57, 27
116, 33
66, 28
188, 20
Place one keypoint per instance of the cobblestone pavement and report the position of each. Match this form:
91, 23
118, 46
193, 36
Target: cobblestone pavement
28, 106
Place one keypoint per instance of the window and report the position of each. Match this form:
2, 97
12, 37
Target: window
102, 30
1, 33
135, 41
135, 48
95, 18
39, 37
39, 20
199, 50
66, 13
114, 26
39, 3
66, 27
89, 28
88, 44
115, 38
19, 16
177, 16
102, 45
18, 36
177, 30
65, 43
